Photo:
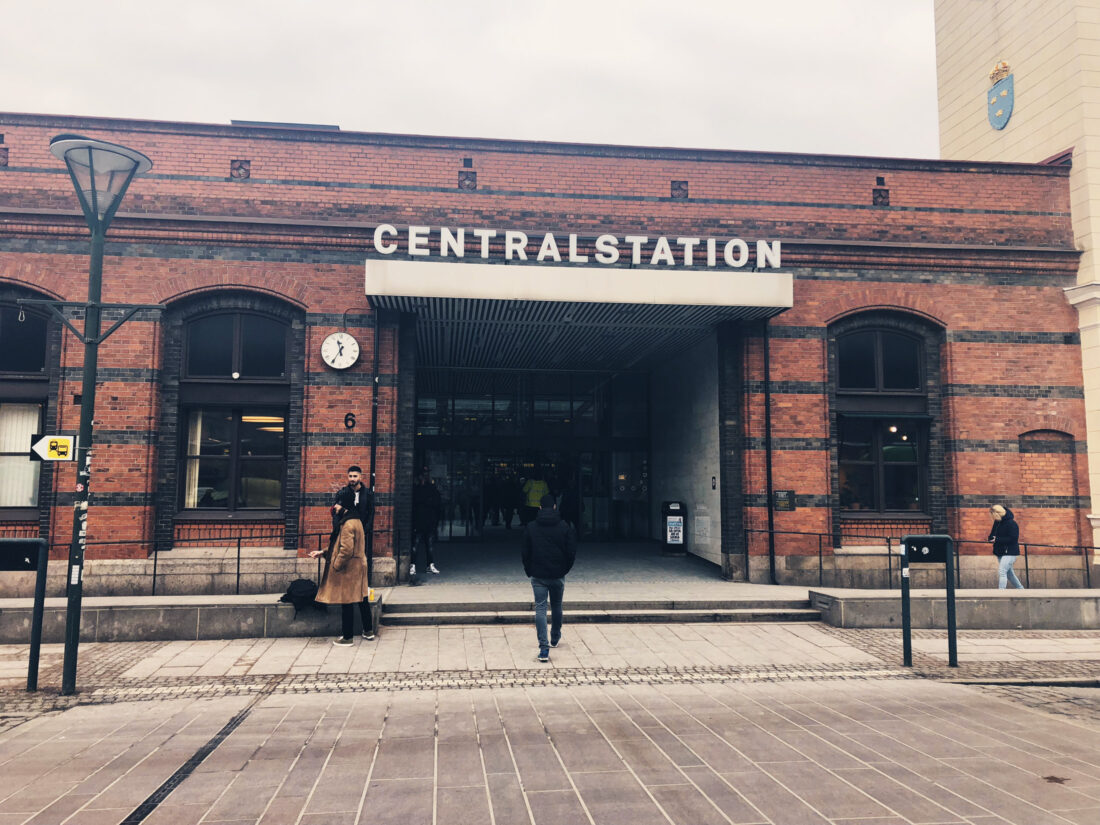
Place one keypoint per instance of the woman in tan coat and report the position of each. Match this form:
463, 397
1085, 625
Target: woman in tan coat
345, 578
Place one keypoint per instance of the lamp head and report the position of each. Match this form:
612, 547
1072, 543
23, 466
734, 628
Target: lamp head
101, 172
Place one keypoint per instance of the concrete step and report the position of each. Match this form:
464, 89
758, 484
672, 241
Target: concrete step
394, 607
645, 616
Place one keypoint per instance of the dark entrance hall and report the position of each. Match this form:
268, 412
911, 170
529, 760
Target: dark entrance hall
495, 442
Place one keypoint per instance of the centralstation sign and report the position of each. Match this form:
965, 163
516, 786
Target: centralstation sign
543, 247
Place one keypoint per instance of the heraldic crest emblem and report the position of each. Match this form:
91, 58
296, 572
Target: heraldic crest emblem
1000, 98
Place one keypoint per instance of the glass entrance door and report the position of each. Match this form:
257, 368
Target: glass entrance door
584, 437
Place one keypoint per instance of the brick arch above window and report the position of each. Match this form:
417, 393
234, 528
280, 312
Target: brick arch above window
21, 288
277, 288
910, 314
1046, 441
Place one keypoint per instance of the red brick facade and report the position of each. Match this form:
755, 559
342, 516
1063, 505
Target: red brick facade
977, 255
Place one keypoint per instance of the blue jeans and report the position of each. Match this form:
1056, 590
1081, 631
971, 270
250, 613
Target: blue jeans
1006, 574
545, 589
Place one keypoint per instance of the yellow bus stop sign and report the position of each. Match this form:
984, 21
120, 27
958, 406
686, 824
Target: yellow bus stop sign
54, 448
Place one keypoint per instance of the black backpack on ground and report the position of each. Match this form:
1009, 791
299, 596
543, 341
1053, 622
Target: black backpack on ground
300, 593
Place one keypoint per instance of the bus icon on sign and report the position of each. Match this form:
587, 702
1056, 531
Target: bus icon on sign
58, 449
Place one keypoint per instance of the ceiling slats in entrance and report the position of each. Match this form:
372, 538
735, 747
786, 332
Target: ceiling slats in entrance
458, 332
498, 317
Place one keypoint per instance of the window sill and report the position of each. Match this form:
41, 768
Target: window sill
874, 515
19, 514
236, 515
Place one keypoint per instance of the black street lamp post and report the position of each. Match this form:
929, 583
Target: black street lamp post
101, 173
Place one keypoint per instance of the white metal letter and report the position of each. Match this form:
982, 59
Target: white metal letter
574, 256
767, 254
689, 245
380, 245
636, 242
451, 243
485, 235
418, 240
662, 252
515, 242
712, 252
549, 248
742, 253
607, 249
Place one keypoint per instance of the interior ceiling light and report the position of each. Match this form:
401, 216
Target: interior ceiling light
263, 419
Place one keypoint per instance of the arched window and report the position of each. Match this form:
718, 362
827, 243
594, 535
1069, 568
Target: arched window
234, 396
236, 345
24, 388
882, 421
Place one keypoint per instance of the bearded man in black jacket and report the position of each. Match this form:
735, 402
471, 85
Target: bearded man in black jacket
549, 550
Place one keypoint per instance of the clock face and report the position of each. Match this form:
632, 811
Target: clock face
340, 350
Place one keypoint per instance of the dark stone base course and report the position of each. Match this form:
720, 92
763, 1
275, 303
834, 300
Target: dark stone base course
974, 610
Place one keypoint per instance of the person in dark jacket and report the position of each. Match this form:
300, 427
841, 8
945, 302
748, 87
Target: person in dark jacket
357, 499
427, 507
549, 550
1005, 536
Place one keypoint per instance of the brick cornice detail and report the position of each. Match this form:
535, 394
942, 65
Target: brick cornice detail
279, 233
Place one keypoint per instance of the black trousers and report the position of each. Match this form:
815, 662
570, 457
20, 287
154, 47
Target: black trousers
427, 538
347, 616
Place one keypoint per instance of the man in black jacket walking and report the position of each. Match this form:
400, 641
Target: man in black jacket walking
549, 550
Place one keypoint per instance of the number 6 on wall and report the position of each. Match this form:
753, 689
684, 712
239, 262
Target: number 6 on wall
349, 421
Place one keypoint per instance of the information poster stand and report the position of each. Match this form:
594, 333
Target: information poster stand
931, 549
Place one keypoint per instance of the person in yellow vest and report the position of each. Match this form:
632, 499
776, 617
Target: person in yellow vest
533, 491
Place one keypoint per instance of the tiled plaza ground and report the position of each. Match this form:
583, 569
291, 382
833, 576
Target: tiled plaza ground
799, 723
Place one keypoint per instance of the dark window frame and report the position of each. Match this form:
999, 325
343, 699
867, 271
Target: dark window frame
180, 391
880, 405
42, 374
879, 464
234, 459
880, 387
236, 355
37, 387
25, 511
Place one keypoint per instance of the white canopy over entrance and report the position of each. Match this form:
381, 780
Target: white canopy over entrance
566, 317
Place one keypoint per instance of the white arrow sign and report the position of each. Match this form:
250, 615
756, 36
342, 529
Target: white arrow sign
55, 447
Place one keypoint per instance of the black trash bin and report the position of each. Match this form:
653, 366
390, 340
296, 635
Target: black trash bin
674, 527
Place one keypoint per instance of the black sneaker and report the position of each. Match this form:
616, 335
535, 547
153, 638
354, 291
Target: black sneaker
544, 654
342, 642
368, 635
554, 642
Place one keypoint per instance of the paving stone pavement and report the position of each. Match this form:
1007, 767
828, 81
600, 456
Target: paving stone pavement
870, 751
799, 724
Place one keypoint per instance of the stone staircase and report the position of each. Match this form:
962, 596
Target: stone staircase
663, 611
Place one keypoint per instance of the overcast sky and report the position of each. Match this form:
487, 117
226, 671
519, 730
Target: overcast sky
821, 76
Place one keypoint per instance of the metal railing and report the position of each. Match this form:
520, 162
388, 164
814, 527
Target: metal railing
236, 543
971, 548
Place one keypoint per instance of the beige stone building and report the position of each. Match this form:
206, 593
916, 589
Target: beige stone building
1052, 50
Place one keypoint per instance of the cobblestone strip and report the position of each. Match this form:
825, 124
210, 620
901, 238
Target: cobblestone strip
886, 646
1079, 704
19, 705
